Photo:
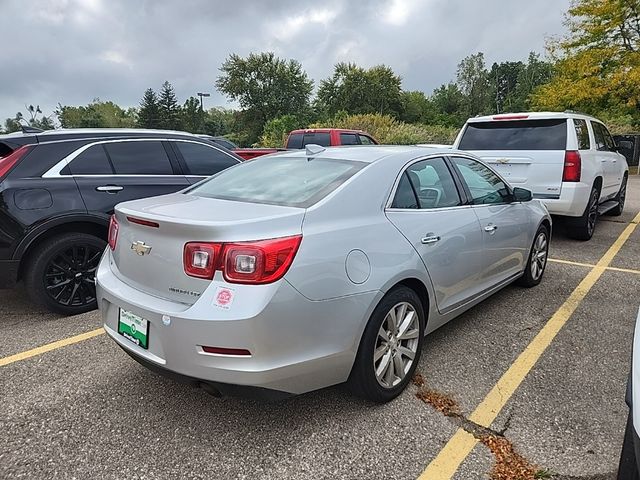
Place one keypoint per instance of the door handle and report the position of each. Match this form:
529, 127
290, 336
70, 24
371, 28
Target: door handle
491, 228
109, 188
429, 239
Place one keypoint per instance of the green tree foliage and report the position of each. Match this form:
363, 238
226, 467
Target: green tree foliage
597, 67
450, 105
357, 90
97, 114
473, 81
417, 108
192, 116
11, 125
170, 113
266, 87
275, 130
149, 111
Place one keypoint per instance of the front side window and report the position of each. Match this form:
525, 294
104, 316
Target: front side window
286, 181
485, 186
139, 158
203, 160
426, 184
93, 161
582, 133
599, 135
364, 140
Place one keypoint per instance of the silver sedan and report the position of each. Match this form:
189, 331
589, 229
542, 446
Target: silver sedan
306, 269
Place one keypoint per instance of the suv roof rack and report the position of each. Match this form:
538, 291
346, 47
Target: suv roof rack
30, 129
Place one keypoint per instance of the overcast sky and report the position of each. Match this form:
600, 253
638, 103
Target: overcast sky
71, 51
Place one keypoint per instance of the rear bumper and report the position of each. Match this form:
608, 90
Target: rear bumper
8, 273
573, 200
296, 345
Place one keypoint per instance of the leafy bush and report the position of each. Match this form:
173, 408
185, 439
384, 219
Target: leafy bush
390, 131
275, 131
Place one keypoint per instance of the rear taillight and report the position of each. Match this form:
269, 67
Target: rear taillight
259, 262
572, 166
7, 163
201, 259
113, 232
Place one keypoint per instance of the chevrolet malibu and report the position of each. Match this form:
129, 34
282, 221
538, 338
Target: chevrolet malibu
306, 269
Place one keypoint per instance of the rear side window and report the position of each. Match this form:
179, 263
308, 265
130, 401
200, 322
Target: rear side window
286, 181
348, 139
93, 161
515, 135
582, 133
295, 140
202, 159
319, 138
139, 158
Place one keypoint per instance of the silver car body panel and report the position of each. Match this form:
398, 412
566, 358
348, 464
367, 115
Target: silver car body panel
304, 330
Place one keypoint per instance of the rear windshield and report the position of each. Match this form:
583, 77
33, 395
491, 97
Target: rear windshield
515, 135
286, 181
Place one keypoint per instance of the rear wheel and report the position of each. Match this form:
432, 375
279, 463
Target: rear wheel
620, 198
61, 273
582, 228
390, 347
537, 262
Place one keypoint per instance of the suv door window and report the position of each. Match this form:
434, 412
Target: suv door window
364, 140
348, 139
484, 185
139, 158
599, 135
93, 161
426, 184
584, 143
203, 160
319, 138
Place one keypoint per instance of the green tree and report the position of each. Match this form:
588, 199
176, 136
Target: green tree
357, 90
96, 114
149, 112
597, 63
276, 130
11, 125
417, 108
450, 105
169, 109
473, 81
266, 87
192, 116
503, 84
535, 73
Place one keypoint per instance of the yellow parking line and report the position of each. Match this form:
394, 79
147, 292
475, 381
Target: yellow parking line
50, 346
446, 463
591, 265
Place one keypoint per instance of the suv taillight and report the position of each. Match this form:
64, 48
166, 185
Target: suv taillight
9, 161
112, 238
572, 166
259, 262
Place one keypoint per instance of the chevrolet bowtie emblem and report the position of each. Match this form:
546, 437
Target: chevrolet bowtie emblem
140, 248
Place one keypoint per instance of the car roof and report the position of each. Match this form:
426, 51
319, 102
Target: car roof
81, 133
371, 153
326, 130
530, 116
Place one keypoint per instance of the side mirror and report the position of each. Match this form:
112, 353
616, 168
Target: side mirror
624, 145
522, 195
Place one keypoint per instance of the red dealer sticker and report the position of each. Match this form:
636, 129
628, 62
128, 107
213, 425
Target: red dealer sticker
224, 297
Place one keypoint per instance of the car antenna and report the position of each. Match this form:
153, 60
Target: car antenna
312, 150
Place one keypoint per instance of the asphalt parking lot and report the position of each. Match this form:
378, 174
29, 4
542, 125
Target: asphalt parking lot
84, 409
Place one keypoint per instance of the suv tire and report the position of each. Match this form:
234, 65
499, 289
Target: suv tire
620, 198
60, 272
582, 228
368, 375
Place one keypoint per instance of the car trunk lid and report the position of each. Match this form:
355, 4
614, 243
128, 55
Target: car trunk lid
153, 232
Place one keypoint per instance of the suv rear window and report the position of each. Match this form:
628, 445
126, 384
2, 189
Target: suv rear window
285, 181
515, 135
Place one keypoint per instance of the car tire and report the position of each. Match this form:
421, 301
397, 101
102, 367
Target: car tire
60, 273
582, 228
537, 261
620, 198
369, 378
628, 465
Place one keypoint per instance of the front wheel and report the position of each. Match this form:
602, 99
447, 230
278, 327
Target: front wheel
537, 262
61, 273
390, 347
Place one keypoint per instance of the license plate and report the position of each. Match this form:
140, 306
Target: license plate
134, 328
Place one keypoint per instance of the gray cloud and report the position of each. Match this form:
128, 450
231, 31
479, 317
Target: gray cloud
71, 51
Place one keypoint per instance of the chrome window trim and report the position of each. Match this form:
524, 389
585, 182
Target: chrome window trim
54, 172
388, 206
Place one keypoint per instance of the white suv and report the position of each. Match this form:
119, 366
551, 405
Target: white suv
567, 160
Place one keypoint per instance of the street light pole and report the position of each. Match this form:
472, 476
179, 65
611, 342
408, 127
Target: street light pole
202, 95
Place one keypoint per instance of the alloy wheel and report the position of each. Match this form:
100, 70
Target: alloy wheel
539, 255
396, 345
623, 194
69, 276
593, 212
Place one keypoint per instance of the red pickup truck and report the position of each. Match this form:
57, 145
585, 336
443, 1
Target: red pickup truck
325, 137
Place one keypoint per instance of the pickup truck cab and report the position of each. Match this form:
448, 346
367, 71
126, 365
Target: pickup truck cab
568, 160
328, 137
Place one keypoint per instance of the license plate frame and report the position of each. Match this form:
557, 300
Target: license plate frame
134, 328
